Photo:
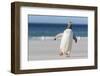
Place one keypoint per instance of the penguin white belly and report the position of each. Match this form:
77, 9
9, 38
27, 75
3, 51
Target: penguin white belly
66, 41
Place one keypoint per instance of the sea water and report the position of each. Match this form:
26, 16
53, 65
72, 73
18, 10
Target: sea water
51, 30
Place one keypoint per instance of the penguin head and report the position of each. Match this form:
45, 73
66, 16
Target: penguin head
69, 25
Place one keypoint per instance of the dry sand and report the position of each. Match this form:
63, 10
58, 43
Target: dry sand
49, 49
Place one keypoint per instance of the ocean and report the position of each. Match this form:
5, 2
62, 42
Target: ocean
51, 30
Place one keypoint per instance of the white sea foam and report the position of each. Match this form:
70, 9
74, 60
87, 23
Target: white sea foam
52, 38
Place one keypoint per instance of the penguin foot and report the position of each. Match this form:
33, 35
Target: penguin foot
61, 53
67, 54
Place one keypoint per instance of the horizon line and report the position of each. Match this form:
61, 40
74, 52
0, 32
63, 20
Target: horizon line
56, 23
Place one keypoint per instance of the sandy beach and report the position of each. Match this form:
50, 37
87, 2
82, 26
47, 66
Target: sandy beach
48, 49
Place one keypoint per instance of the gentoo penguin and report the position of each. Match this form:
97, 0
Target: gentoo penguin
66, 40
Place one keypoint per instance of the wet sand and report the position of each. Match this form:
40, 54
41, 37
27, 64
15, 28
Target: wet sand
49, 49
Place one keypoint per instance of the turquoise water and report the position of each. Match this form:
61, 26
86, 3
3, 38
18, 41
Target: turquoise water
45, 29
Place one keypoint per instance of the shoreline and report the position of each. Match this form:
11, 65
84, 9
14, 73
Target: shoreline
50, 38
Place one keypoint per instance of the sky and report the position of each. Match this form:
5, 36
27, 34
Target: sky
57, 19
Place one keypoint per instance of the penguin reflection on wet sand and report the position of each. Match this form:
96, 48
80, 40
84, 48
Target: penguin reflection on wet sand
66, 40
